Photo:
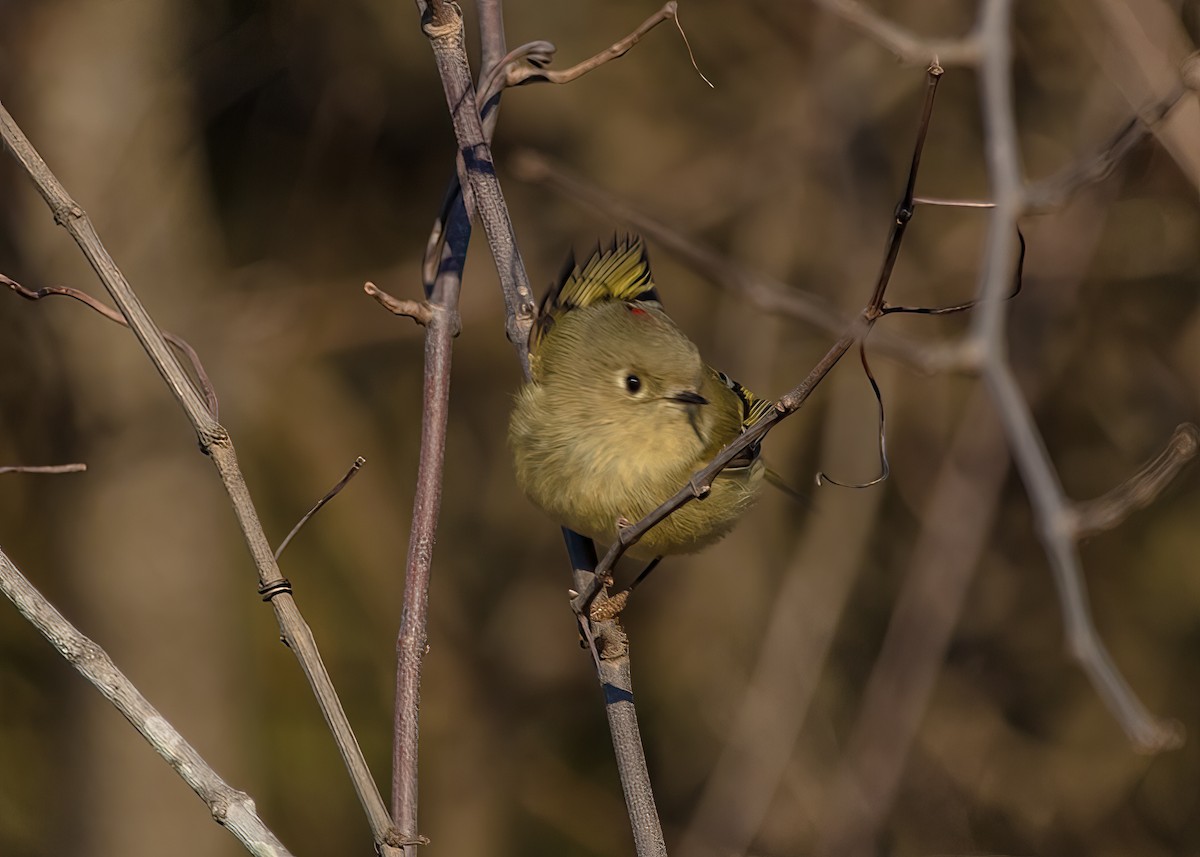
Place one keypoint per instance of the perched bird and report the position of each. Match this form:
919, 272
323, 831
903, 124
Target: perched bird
621, 411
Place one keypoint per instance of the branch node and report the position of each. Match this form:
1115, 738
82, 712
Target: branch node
66, 212
609, 608
397, 839
441, 25
216, 435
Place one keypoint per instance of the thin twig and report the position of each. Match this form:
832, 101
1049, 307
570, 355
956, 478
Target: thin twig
526, 63
230, 808
333, 492
44, 468
210, 395
419, 311
1140, 490
216, 443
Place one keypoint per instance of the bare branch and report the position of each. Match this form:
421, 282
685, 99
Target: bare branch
1050, 505
1139, 490
526, 64
333, 492
420, 312
217, 444
907, 47
44, 468
443, 25
444, 261
210, 395
230, 808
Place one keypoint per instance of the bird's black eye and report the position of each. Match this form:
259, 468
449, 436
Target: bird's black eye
633, 383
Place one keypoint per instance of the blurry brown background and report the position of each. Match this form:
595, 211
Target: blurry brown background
249, 164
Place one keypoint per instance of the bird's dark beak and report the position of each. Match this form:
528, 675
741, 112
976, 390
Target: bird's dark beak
688, 397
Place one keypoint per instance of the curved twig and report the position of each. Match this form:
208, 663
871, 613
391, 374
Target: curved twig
210, 395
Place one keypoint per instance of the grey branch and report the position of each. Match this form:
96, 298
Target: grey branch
217, 444
230, 808
987, 338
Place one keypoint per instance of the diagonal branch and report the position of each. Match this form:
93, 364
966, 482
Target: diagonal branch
230, 808
1140, 490
217, 444
442, 23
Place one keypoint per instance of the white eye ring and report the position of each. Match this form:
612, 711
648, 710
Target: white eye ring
630, 382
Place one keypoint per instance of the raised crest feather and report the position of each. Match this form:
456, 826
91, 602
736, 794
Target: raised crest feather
621, 272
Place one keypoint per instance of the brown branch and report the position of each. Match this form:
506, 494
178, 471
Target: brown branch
230, 808
526, 63
1140, 490
421, 312
329, 495
442, 24
210, 395
442, 274
44, 468
216, 443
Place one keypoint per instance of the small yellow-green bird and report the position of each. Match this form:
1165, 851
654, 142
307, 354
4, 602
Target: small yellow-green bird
621, 411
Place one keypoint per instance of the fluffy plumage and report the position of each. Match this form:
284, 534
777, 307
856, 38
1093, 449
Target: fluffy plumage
622, 410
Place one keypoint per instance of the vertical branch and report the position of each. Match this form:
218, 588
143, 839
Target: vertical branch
1052, 510
410, 643
440, 329
442, 24
615, 672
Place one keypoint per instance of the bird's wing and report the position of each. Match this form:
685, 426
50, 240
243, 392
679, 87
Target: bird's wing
621, 272
753, 408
